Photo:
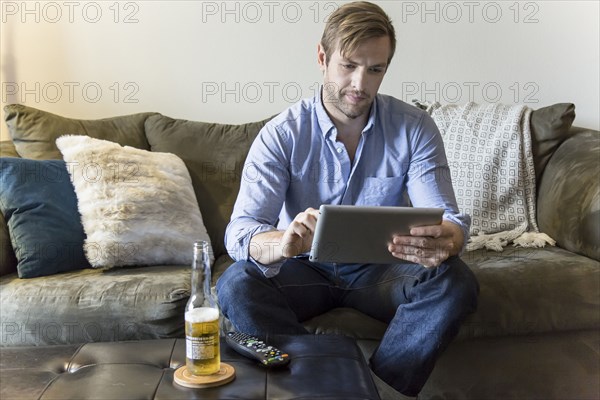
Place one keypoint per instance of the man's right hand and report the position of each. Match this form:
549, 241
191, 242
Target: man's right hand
298, 237
271, 247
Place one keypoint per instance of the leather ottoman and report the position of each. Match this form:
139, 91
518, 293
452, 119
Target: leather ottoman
322, 366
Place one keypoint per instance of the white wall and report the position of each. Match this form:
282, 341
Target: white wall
239, 61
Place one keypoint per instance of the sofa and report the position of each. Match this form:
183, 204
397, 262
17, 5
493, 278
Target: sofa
535, 334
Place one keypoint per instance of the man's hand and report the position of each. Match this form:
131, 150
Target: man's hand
428, 245
298, 237
271, 247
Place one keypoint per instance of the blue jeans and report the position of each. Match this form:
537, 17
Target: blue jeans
423, 307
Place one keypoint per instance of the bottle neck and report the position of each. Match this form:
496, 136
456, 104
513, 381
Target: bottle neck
201, 274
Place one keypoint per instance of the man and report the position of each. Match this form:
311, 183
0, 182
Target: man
350, 145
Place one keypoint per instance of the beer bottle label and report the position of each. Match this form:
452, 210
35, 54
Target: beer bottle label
200, 348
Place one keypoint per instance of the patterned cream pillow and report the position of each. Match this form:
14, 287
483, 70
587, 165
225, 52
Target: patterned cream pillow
137, 207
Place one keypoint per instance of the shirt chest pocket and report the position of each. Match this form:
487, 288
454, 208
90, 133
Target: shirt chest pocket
382, 192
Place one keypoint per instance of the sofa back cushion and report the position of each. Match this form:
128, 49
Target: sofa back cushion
34, 131
214, 155
550, 126
8, 261
39, 206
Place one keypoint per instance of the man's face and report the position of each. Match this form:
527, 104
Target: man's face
350, 83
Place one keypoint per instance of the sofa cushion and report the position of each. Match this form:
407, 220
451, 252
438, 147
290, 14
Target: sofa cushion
137, 207
34, 131
214, 154
522, 291
550, 126
40, 208
528, 290
94, 305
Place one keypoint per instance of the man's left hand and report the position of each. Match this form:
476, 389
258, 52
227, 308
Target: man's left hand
428, 245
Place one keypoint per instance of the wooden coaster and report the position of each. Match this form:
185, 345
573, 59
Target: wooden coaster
184, 378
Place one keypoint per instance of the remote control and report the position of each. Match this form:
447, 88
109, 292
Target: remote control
252, 347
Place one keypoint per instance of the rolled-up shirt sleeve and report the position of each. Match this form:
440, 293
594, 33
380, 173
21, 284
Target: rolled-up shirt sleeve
263, 186
239, 243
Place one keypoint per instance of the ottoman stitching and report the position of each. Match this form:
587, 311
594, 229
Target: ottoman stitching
57, 376
70, 363
117, 363
48, 385
162, 375
67, 369
349, 357
172, 351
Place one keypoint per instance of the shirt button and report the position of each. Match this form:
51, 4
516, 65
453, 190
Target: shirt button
340, 149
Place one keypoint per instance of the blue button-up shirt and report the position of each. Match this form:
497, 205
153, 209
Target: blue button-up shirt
296, 162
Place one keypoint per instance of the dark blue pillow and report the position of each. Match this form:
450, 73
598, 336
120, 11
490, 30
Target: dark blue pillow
39, 204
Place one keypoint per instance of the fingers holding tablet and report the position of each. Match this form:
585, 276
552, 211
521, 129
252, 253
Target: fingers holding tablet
427, 245
298, 237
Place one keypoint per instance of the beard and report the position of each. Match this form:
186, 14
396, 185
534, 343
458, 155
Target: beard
356, 106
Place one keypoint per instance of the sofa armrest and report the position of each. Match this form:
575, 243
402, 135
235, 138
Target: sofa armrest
568, 206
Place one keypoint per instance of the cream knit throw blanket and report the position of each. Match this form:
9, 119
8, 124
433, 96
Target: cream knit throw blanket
489, 152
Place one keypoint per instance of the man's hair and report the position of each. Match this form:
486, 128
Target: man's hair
352, 24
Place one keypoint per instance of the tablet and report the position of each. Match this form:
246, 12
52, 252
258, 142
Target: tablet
361, 234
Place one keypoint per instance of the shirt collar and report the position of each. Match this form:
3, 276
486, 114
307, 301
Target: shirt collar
327, 125
325, 122
371, 121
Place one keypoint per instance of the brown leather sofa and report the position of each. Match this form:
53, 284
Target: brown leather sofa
534, 335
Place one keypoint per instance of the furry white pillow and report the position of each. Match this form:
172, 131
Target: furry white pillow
137, 207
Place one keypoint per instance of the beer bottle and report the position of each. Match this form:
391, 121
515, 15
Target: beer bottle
202, 318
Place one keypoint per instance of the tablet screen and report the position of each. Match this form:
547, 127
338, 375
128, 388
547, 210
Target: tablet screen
361, 234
